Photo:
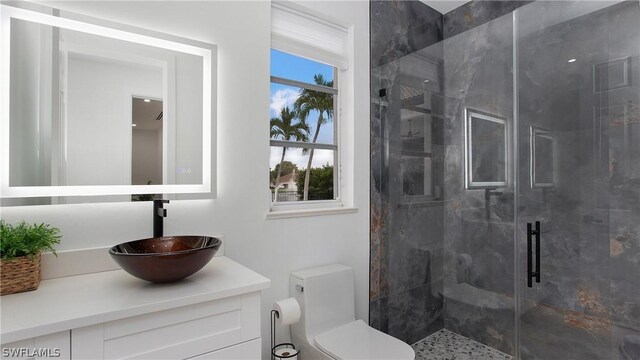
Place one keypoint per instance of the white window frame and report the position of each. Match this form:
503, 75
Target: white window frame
305, 33
336, 202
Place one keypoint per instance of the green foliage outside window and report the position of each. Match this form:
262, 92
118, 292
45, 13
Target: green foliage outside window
320, 183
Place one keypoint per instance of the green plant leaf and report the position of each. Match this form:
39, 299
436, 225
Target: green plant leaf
27, 240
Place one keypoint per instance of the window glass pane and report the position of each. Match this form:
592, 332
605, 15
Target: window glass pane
291, 182
296, 68
318, 108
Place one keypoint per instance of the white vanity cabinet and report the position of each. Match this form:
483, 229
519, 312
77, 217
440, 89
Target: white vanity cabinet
180, 333
247, 350
214, 314
56, 345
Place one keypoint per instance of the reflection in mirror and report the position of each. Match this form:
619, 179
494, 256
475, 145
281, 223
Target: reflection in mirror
485, 150
146, 135
94, 106
542, 158
416, 156
420, 129
617, 129
96, 79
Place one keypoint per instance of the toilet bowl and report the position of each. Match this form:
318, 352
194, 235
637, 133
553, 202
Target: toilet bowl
328, 328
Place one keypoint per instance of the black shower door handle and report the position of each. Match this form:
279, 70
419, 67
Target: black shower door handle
530, 273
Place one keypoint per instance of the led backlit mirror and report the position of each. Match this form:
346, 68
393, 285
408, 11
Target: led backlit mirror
103, 110
485, 150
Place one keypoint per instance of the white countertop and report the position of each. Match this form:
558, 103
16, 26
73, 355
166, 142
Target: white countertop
83, 300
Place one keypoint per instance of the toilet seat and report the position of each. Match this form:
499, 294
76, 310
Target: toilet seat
357, 340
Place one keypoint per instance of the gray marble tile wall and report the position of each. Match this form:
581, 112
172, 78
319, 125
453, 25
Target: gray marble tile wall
591, 237
476, 13
587, 304
437, 259
478, 249
399, 28
406, 169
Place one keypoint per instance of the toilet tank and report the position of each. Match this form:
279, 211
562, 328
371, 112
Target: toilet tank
326, 297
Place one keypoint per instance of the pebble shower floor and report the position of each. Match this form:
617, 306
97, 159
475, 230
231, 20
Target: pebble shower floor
447, 345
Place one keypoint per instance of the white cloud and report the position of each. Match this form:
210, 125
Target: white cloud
321, 158
275, 157
282, 98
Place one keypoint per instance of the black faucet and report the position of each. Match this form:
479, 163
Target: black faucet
159, 213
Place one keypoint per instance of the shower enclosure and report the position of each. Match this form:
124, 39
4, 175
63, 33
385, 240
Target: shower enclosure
505, 199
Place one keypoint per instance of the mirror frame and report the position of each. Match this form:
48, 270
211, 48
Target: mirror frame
535, 132
208, 52
470, 184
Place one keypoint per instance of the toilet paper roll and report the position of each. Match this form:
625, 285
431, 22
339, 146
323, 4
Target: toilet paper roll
288, 311
288, 353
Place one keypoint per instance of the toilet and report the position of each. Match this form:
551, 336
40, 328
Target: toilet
328, 328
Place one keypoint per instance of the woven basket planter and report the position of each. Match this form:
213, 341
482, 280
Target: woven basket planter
19, 274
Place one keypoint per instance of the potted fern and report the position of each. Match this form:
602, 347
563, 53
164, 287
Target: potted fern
20, 248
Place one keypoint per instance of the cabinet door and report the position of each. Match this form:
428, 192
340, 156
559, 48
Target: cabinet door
57, 345
249, 350
172, 334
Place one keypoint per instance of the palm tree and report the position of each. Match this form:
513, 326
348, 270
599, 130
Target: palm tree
285, 129
309, 101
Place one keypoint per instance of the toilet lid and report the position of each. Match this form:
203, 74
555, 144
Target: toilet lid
357, 340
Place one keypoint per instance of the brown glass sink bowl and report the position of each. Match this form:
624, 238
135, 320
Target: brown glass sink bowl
165, 259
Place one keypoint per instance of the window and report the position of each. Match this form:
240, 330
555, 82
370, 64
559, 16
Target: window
304, 148
311, 135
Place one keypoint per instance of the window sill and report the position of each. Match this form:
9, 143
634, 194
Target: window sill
285, 214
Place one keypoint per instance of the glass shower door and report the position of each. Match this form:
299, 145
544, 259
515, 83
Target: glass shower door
578, 175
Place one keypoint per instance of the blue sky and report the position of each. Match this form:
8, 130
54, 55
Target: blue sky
300, 69
296, 68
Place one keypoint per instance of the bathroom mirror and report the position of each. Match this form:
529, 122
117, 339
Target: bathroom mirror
95, 108
542, 158
485, 150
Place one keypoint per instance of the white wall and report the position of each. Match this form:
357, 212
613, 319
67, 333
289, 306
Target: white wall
271, 247
98, 137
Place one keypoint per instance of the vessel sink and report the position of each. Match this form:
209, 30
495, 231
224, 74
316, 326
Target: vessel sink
165, 259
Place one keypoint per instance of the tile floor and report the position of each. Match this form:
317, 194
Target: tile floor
446, 345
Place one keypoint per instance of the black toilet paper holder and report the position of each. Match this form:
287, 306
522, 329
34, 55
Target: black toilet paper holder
275, 347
